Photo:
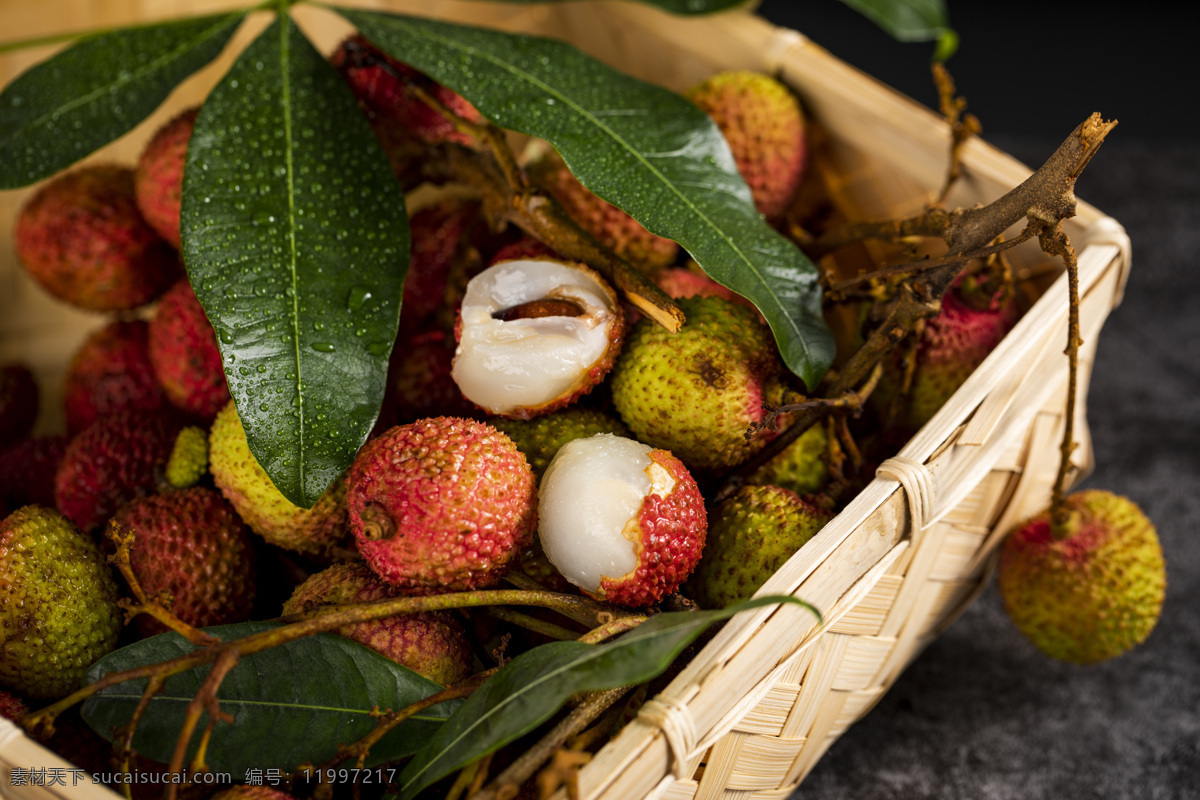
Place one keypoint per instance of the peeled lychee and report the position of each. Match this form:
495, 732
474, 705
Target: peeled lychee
623, 234
250, 491
18, 403
695, 392
441, 504
158, 179
540, 438
117, 458
110, 372
534, 335
58, 603
764, 126
84, 240
183, 350
191, 544
750, 536
621, 520
433, 644
1093, 589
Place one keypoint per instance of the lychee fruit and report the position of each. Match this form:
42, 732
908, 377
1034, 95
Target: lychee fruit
535, 335
623, 234
621, 520
697, 391
183, 350
18, 403
58, 603
433, 644
764, 125
28, 469
12, 708
524, 248
419, 381
750, 536
248, 488
540, 438
110, 372
1090, 590
438, 234
188, 462
247, 792
117, 458
802, 467
158, 178
441, 504
82, 237
193, 546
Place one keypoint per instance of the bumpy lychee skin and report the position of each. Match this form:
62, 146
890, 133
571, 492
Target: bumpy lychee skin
535, 335
1093, 593
764, 126
12, 707
802, 467
27, 470
58, 603
646, 251
158, 178
191, 544
433, 644
247, 792
695, 392
419, 381
110, 372
183, 350
117, 458
441, 504
269, 514
621, 520
188, 462
83, 239
750, 536
439, 235
18, 403
540, 439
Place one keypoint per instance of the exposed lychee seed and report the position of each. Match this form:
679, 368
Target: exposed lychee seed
111, 371
764, 126
622, 521
517, 355
158, 179
183, 350
441, 504
84, 240
18, 403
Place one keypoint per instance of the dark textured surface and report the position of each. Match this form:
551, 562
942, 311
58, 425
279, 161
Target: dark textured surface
981, 713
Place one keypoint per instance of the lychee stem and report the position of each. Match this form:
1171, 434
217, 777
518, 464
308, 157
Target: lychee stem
962, 127
532, 623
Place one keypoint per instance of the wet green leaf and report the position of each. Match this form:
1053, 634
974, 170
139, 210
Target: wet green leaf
290, 704
642, 148
686, 7
529, 689
94, 91
296, 242
912, 21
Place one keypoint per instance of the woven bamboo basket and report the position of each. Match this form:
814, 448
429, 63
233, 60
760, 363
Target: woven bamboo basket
753, 712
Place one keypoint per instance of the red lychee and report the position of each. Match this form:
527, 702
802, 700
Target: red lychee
433, 644
117, 458
12, 707
84, 240
183, 350
441, 504
158, 179
27, 470
419, 382
18, 403
191, 544
438, 234
110, 372
764, 125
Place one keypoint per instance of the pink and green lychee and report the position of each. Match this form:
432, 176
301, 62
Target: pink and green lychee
540, 438
433, 644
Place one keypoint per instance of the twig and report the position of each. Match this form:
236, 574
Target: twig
532, 623
962, 128
205, 700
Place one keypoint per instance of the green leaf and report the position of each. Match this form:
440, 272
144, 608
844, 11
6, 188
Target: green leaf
643, 148
98, 89
684, 7
296, 241
912, 21
290, 704
529, 689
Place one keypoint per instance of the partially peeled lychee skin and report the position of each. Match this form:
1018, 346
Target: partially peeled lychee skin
1093, 593
82, 237
441, 504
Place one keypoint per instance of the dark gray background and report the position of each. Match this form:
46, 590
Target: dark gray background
981, 713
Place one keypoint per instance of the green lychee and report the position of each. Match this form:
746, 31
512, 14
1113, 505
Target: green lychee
192, 545
188, 462
540, 438
802, 467
441, 504
764, 125
58, 603
433, 644
1090, 591
695, 392
250, 491
750, 536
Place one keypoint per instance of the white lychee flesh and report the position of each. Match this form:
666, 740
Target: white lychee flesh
511, 365
588, 505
